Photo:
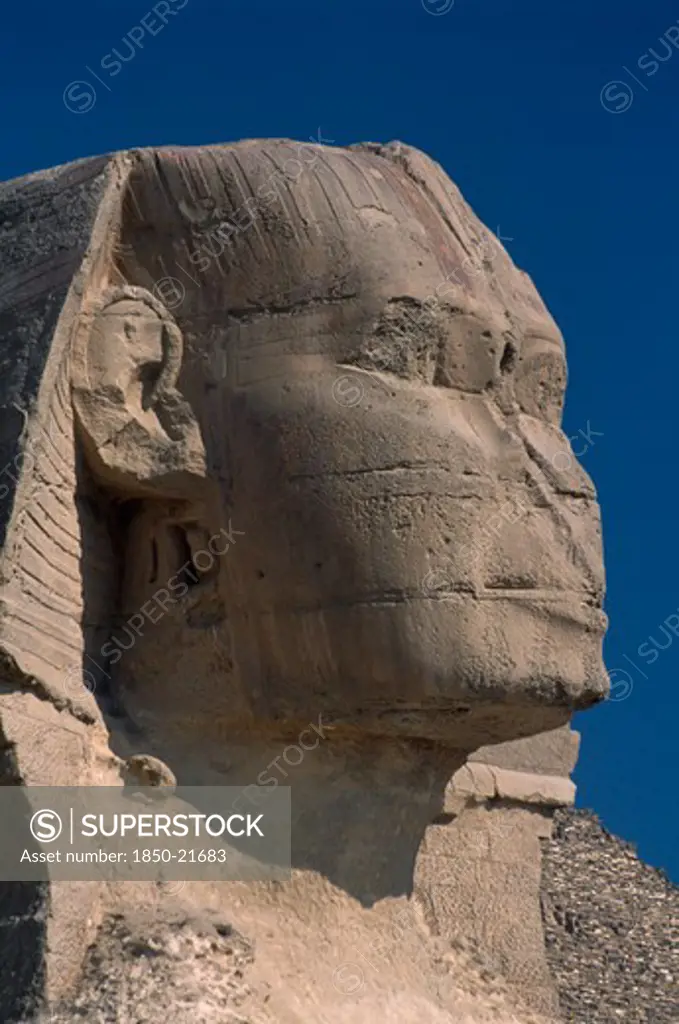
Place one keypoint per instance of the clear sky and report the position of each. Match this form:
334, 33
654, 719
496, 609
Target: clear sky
560, 127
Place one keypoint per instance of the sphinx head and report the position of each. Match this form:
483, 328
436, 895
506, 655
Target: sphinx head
341, 458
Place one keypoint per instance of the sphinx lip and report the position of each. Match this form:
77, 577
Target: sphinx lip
595, 619
572, 605
536, 594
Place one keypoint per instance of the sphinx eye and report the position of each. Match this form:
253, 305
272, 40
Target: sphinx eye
402, 341
508, 359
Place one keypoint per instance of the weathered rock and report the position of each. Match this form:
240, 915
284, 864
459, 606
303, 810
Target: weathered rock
284, 459
144, 770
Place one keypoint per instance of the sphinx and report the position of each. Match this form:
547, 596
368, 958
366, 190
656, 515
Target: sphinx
310, 483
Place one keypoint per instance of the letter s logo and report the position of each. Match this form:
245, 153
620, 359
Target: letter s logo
79, 97
616, 97
45, 826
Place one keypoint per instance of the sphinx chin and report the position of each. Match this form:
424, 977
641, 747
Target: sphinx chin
483, 711
456, 670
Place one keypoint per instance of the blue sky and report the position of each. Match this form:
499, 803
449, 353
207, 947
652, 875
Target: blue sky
560, 126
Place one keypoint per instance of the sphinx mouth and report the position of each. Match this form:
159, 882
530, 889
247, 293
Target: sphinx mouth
580, 607
519, 593
575, 607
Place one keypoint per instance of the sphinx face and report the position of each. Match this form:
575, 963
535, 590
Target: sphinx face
418, 549
413, 548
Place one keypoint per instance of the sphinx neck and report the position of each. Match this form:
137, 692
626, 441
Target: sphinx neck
360, 809
360, 805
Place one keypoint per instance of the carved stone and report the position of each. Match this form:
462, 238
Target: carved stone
139, 434
326, 490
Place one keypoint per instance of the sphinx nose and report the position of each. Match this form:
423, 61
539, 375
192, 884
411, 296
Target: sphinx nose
550, 452
562, 485
517, 448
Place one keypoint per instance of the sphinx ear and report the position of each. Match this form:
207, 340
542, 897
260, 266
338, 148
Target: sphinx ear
138, 433
108, 342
